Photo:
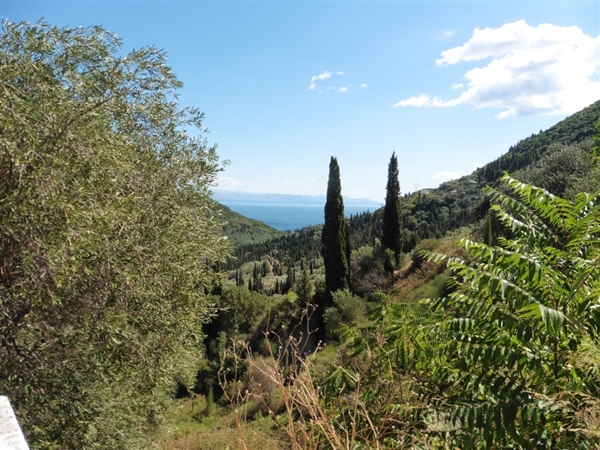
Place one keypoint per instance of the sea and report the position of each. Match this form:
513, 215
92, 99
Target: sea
289, 217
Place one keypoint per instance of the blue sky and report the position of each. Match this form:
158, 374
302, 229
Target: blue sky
285, 85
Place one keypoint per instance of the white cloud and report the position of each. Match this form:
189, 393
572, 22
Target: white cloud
228, 183
421, 100
546, 69
364, 85
446, 175
300, 182
325, 76
322, 76
447, 34
456, 85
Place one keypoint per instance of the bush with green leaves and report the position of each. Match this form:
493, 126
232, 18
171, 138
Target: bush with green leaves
509, 359
513, 368
565, 170
367, 272
238, 311
347, 311
107, 236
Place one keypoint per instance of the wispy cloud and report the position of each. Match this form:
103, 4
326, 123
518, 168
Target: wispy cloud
326, 75
300, 182
338, 89
421, 100
447, 175
546, 69
322, 76
447, 34
229, 183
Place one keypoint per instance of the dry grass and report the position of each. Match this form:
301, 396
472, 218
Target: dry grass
309, 422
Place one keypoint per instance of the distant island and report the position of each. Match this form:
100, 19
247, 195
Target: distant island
224, 197
286, 211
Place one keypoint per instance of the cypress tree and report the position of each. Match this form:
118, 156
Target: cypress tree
336, 247
304, 289
488, 237
392, 218
289, 281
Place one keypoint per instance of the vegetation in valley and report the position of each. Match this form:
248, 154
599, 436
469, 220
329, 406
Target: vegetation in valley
469, 345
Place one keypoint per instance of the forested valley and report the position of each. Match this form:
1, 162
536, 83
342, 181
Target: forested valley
136, 312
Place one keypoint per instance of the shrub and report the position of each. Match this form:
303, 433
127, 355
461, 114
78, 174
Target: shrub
348, 310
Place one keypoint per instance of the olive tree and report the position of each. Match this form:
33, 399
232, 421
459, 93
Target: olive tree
107, 235
565, 170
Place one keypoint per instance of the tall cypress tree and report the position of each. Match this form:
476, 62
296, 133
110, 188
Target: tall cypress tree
336, 247
488, 236
304, 288
392, 218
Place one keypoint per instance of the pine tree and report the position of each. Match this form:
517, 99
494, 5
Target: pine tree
392, 218
336, 247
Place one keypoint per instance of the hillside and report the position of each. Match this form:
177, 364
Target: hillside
457, 203
434, 212
244, 231
573, 129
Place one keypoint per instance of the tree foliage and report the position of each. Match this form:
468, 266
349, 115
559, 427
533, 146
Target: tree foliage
336, 247
508, 359
513, 345
391, 237
304, 288
347, 310
107, 236
565, 170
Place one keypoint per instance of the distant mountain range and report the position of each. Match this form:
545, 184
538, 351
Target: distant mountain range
225, 197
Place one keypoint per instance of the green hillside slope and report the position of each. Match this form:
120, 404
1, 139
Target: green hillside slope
243, 231
573, 129
455, 204
432, 213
